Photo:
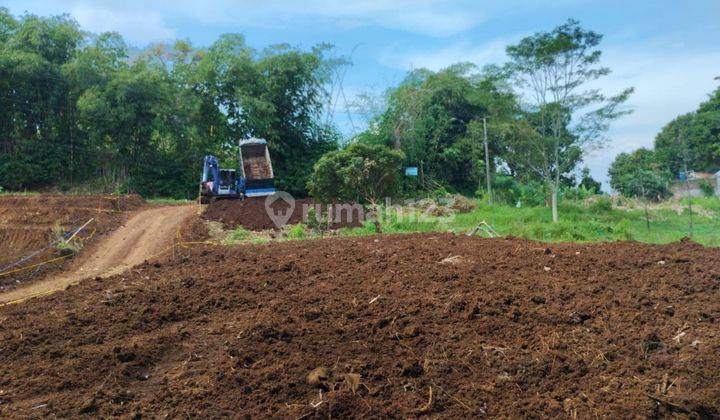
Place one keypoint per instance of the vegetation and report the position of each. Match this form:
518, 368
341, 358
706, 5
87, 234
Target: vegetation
442, 120
79, 114
692, 139
689, 142
591, 221
362, 173
556, 68
639, 174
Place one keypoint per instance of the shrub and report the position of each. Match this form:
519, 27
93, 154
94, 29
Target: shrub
578, 193
705, 186
317, 221
506, 190
239, 234
622, 231
296, 231
364, 173
533, 194
602, 204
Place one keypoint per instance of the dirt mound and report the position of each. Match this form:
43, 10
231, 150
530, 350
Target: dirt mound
400, 326
27, 224
252, 214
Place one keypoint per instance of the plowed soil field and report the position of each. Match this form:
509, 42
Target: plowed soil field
432, 325
26, 226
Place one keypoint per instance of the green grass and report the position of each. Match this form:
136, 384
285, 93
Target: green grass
22, 193
578, 223
238, 235
169, 201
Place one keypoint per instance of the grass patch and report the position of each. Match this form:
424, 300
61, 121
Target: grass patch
237, 235
596, 222
579, 222
169, 201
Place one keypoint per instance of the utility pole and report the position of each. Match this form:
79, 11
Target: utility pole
687, 180
487, 161
689, 198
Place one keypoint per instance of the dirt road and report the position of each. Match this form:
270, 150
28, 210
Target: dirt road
146, 233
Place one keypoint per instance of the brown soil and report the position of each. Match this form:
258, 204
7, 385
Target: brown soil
146, 233
430, 325
255, 163
252, 215
26, 225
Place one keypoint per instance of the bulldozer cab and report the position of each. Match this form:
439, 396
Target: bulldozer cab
227, 178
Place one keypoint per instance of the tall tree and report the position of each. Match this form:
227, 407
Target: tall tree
33, 97
554, 69
436, 119
640, 174
692, 139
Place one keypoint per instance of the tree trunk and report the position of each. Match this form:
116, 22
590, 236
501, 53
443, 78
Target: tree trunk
378, 218
554, 203
487, 161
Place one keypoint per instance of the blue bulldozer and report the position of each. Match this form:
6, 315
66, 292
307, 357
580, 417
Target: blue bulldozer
253, 178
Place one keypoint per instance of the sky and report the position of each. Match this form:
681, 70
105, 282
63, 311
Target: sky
667, 50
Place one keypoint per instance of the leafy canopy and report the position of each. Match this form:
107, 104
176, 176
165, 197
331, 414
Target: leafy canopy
365, 173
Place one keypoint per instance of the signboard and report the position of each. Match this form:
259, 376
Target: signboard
411, 171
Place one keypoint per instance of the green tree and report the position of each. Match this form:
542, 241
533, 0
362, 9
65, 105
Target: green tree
554, 68
639, 174
436, 120
692, 139
33, 98
293, 92
360, 173
589, 183
77, 111
278, 95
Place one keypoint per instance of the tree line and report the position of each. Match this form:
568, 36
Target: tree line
690, 142
516, 132
83, 112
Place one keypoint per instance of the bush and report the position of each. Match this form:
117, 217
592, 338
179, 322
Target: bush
506, 190
705, 186
460, 203
364, 173
578, 193
602, 204
533, 194
622, 232
317, 221
237, 235
639, 175
296, 231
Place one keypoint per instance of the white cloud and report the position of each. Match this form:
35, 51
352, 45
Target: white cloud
463, 51
667, 83
142, 21
138, 22
436, 18
137, 28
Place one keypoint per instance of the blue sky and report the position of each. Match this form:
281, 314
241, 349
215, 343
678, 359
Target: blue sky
667, 50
